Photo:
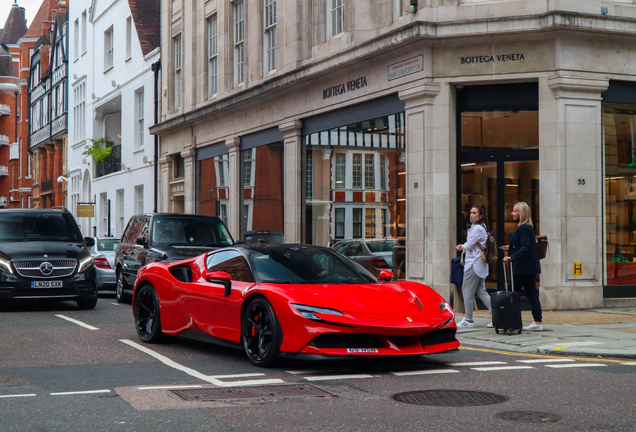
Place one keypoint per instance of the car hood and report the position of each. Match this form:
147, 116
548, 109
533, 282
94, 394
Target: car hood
37, 250
384, 299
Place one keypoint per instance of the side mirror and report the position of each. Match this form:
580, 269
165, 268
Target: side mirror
221, 278
142, 241
90, 241
385, 276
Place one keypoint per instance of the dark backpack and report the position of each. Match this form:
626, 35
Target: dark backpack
489, 253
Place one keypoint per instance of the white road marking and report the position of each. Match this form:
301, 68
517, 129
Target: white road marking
575, 365
212, 380
546, 361
496, 368
17, 395
478, 363
336, 377
426, 372
116, 304
80, 392
629, 364
79, 323
169, 387
237, 375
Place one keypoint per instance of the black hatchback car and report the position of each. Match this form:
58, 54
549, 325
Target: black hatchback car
164, 237
44, 256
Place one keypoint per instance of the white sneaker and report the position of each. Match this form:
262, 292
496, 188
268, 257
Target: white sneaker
534, 327
464, 323
490, 325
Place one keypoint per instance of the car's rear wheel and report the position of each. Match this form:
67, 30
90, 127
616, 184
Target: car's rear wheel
147, 315
261, 332
87, 303
121, 296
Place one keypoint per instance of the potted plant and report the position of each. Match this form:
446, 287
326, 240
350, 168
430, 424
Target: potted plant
99, 149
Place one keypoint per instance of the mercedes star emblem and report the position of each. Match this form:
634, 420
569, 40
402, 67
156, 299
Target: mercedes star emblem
46, 268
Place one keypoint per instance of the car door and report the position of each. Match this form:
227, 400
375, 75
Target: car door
206, 302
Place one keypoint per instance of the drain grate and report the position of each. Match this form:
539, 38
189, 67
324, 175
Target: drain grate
260, 392
529, 416
451, 398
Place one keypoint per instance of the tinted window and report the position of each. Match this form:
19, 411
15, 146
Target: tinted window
307, 265
178, 231
381, 245
354, 250
53, 226
106, 245
133, 229
230, 262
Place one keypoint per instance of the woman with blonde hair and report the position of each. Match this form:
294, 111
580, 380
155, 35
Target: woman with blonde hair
522, 254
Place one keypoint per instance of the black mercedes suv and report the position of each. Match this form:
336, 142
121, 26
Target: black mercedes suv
164, 237
44, 256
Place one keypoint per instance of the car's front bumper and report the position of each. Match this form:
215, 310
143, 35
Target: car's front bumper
81, 285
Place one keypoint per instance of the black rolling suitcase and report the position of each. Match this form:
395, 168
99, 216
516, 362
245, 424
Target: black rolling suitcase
506, 307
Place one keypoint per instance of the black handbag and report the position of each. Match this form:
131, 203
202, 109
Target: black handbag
457, 271
542, 246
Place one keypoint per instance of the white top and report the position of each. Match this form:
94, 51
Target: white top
476, 237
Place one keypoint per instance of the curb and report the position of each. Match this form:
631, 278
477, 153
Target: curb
589, 352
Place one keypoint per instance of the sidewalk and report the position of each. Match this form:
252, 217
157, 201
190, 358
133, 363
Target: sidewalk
606, 332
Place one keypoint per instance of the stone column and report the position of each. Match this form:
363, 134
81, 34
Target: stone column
189, 172
571, 190
57, 171
430, 185
235, 187
164, 184
293, 180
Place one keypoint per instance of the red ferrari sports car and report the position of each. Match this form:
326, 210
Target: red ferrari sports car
273, 300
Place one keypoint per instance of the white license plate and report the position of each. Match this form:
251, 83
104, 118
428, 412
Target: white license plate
362, 350
46, 284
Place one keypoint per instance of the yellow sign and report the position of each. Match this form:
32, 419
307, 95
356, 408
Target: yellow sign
578, 269
85, 210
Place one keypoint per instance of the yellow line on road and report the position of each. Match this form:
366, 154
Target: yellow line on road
510, 353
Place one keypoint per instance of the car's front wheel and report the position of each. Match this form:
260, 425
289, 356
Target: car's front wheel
121, 296
147, 315
87, 303
261, 332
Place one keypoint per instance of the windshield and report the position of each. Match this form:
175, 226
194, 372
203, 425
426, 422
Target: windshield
178, 231
107, 245
307, 265
33, 226
381, 245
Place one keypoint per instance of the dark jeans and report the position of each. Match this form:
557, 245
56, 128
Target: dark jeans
529, 283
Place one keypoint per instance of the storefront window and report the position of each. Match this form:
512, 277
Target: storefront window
213, 186
356, 189
262, 210
619, 128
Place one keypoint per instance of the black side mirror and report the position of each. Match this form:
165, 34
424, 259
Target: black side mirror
142, 241
90, 241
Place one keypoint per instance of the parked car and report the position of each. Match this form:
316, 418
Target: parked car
103, 254
294, 300
43, 256
168, 237
273, 237
374, 255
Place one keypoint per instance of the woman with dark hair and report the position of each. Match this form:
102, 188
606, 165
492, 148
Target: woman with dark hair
525, 262
475, 267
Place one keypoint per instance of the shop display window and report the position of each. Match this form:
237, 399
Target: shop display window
213, 187
355, 186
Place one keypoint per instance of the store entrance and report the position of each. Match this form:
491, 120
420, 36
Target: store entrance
497, 160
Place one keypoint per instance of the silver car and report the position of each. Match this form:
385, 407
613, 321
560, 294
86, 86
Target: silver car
103, 254
373, 254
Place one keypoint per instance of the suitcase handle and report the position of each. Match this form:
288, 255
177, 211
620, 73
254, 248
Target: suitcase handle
512, 277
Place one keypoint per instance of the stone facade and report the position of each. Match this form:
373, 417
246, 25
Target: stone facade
572, 49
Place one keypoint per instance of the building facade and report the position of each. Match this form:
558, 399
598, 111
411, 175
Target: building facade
114, 44
390, 121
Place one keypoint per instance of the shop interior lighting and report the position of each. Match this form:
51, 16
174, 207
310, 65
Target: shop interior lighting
468, 164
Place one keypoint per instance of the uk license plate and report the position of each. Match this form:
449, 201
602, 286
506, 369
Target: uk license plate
46, 284
362, 350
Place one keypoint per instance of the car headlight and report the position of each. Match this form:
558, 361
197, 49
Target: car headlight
85, 264
309, 311
445, 306
5, 266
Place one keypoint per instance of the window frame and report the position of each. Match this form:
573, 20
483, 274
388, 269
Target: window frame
335, 18
239, 42
109, 48
213, 58
269, 35
177, 50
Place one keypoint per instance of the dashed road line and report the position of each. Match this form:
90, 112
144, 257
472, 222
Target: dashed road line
80, 392
556, 360
498, 368
425, 372
576, 365
17, 396
488, 363
174, 387
337, 377
116, 304
629, 364
79, 323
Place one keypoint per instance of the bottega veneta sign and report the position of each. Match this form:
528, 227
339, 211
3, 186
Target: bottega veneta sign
492, 58
353, 85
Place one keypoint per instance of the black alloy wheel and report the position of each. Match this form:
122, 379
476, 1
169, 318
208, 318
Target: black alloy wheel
262, 335
87, 303
121, 296
147, 315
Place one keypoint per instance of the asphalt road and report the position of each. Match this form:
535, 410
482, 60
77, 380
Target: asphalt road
94, 374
